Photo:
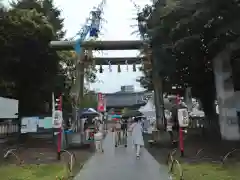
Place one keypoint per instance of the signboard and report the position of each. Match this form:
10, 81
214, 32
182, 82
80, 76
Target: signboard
46, 123
57, 119
101, 103
8, 108
29, 124
183, 117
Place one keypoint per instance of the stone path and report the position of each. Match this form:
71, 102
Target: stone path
121, 163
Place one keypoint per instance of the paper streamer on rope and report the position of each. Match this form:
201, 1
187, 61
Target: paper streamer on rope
134, 68
109, 66
126, 64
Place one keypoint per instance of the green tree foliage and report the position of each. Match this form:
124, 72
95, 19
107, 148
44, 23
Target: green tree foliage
193, 33
27, 64
30, 71
47, 8
89, 99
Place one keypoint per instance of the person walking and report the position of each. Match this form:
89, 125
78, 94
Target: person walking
174, 119
124, 126
117, 130
136, 130
169, 124
98, 137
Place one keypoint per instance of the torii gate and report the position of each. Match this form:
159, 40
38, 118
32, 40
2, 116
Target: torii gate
83, 59
111, 45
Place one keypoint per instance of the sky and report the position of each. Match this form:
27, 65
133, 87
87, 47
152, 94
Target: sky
119, 16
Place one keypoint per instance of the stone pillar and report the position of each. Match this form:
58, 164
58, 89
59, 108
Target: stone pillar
81, 79
226, 96
80, 92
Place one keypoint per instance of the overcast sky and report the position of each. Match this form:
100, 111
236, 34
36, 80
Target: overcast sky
119, 15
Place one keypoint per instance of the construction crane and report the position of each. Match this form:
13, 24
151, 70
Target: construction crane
90, 28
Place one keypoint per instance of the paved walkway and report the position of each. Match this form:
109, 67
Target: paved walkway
121, 163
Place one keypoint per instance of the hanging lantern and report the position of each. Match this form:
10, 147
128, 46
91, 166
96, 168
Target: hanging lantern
101, 69
119, 68
134, 68
126, 64
109, 66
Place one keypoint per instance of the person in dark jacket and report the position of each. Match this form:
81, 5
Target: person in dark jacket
124, 127
174, 111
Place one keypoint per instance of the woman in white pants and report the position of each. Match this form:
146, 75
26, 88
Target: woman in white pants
137, 135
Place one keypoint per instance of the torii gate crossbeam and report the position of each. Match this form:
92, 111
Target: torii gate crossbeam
117, 60
99, 45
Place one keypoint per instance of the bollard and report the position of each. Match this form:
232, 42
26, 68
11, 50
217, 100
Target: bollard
181, 145
98, 140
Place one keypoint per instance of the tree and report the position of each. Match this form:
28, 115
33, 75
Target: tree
89, 99
193, 32
47, 8
211, 27
58, 81
30, 71
26, 60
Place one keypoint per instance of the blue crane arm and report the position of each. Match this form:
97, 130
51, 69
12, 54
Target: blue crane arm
82, 36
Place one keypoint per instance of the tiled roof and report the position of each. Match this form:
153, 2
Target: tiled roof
120, 99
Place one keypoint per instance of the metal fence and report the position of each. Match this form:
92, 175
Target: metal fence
8, 127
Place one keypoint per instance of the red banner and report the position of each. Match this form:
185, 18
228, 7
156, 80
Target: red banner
101, 103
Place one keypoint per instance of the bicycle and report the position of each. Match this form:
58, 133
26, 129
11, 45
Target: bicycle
174, 167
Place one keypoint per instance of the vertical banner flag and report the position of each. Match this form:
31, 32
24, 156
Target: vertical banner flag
101, 102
